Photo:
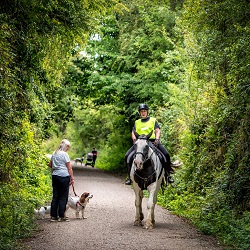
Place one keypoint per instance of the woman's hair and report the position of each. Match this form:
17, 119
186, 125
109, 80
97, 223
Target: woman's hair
63, 145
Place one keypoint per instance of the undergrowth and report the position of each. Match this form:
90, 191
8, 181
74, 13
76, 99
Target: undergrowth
232, 229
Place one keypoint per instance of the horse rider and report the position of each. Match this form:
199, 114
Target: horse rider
145, 125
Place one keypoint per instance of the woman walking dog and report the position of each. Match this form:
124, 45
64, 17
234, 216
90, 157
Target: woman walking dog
62, 178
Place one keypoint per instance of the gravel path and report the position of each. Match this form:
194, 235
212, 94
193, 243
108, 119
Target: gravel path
109, 224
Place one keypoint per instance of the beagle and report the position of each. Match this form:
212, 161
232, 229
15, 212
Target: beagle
78, 203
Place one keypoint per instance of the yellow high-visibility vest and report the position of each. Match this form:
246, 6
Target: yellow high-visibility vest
144, 128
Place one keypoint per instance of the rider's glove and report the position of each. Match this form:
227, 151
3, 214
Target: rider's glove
156, 142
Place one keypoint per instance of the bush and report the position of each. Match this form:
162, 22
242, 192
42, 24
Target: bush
25, 184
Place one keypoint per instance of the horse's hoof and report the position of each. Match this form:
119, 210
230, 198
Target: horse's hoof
137, 223
148, 226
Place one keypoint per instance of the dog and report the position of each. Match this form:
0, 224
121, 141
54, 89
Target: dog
78, 204
79, 160
40, 213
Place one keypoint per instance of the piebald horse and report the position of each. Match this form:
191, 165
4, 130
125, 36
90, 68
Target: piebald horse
146, 173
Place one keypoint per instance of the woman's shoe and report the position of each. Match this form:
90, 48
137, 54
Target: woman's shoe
53, 219
63, 219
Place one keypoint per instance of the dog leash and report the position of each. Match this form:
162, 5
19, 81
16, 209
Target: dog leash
74, 190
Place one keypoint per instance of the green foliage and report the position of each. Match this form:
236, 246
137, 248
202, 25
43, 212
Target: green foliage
109, 138
25, 184
37, 40
212, 139
131, 57
218, 125
111, 157
147, 39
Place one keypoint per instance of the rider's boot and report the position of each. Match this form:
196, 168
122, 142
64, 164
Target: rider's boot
169, 170
128, 181
170, 179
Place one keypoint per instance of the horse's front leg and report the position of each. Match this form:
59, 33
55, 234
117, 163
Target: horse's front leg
150, 221
138, 204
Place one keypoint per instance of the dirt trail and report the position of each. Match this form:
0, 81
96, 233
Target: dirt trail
109, 224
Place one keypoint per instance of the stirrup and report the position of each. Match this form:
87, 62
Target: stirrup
170, 179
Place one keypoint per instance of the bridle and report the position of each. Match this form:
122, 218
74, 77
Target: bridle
145, 156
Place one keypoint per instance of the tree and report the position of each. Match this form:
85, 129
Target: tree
37, 39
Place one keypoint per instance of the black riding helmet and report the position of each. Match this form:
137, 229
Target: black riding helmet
142, 106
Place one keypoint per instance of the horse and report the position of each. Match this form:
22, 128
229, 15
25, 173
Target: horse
147, 173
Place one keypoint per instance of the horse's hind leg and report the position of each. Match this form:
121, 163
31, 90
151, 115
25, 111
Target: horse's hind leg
138, 204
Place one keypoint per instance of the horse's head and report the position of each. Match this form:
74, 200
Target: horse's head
141, 150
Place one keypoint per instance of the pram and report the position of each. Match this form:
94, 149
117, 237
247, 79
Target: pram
89, 160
